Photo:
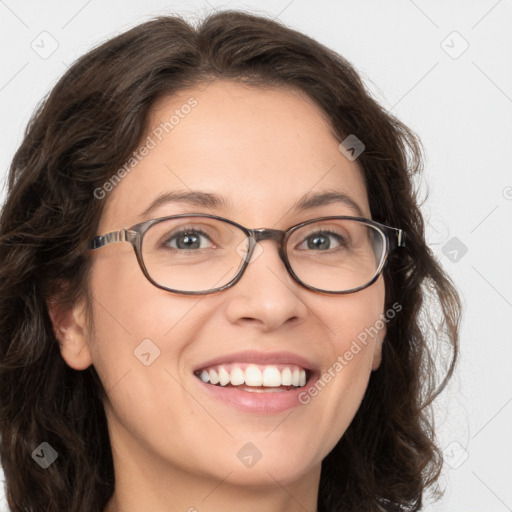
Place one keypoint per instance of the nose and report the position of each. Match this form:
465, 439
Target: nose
266, 294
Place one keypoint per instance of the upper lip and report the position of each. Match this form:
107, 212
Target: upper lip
255, 357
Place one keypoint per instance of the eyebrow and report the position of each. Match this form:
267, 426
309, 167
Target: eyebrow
213, 201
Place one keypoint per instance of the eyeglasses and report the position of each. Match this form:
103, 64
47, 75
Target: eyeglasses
200, 254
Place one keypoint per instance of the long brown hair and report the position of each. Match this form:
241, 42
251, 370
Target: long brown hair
87, 127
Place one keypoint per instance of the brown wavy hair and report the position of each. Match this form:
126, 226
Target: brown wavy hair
84, 130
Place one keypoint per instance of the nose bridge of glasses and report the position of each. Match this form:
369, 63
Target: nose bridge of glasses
268, 234
258, 235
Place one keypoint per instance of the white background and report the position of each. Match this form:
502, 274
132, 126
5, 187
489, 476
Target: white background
460, 105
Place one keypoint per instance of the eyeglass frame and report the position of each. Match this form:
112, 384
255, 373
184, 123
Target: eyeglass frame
393, 238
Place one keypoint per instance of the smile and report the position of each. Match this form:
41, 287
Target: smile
256, 382
252, 377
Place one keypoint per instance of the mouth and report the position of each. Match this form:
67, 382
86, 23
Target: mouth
257, 382
255, 378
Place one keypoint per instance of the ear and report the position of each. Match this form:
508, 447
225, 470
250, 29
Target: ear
70, 329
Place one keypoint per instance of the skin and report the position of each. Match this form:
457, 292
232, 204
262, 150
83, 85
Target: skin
174, 447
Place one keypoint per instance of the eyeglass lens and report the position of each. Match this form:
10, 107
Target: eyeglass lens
199, 253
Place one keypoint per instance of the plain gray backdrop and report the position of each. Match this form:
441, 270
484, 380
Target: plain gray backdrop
445, 69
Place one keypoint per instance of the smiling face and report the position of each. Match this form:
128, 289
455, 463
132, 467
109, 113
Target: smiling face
261, 150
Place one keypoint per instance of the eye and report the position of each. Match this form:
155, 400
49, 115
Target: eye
186, 239
324, 240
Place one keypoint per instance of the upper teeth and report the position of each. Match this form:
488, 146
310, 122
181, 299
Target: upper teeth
253, 375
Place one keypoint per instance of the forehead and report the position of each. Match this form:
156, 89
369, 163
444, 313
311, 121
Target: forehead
262, 149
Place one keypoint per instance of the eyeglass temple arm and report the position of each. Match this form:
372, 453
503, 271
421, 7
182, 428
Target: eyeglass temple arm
400, 238
109, 238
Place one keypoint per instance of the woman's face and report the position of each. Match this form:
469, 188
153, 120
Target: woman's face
261, 150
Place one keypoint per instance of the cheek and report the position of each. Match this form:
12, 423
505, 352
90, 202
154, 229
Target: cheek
140, 335
357, 323
356, 331
137, 325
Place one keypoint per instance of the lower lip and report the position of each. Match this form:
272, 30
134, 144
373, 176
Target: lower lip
266, 402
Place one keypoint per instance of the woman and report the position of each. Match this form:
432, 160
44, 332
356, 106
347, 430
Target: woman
160, 349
